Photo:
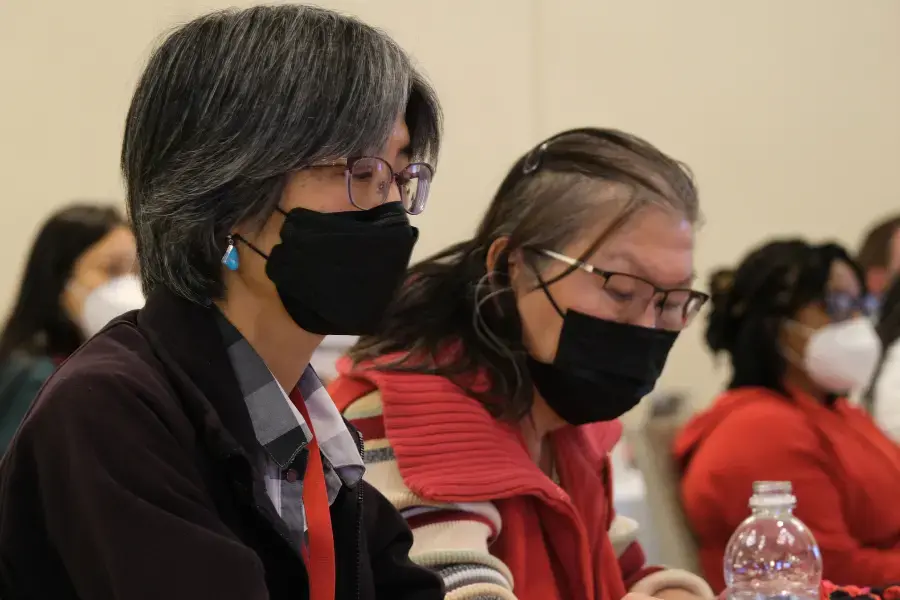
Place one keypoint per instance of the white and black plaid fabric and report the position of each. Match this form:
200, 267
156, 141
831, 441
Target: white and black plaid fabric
283, 433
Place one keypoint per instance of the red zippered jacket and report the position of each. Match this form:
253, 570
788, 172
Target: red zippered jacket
845, 473
482, 512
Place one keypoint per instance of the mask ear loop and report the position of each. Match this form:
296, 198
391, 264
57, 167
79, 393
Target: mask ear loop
236, 237
544, 287
481, 327
483, 330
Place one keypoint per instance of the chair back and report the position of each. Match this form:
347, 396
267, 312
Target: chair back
651, 445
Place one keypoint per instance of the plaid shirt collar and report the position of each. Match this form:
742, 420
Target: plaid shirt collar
280, 428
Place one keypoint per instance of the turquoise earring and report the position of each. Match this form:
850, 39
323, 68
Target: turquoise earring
230, 259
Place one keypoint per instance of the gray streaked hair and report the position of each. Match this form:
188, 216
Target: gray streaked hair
454, 319
234, 101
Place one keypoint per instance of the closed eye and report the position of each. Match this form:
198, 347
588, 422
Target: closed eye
619, 296
670, 306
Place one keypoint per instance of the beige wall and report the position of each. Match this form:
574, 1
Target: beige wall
787, 111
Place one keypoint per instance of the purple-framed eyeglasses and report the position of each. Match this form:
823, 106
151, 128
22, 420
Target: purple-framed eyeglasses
369, 181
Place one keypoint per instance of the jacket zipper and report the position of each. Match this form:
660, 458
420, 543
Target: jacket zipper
256, 505
359, 512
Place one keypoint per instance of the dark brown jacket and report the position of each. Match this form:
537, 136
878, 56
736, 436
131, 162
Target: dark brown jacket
130, 479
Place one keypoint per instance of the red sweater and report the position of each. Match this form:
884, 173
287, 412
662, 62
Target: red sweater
845, 474
554, 539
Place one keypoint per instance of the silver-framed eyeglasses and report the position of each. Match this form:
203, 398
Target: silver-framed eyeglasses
627, 296
369, 181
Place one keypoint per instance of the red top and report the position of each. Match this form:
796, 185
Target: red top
845, 474
450, 449
319, 549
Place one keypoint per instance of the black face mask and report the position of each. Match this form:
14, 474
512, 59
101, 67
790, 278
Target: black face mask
602, 368
336, 273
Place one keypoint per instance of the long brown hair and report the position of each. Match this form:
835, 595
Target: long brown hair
888, 329
454, 319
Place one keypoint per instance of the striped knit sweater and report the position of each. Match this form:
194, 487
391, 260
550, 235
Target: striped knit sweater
462, 539
452, 538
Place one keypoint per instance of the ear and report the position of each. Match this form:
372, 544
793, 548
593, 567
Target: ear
514, 260
494, 252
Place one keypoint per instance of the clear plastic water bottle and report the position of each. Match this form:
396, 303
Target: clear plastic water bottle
772, 555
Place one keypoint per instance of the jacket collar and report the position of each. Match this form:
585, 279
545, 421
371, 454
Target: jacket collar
450, 449
419, 410
186, 338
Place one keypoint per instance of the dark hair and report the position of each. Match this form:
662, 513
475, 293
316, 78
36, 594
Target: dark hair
37, 324
876, 247
889, 315
233, 102
750, 305
454, 319
888, 329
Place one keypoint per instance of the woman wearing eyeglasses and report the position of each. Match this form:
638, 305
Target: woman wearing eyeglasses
188, 451
793, 319
489, 397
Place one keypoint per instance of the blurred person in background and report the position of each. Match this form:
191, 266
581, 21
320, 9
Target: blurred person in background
79, 275
490, 396
879, 255
271, 157
882, 399
793, 321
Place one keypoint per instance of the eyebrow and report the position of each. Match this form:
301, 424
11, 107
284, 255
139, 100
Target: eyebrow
845, 292
631, 259
688, 280
405, 151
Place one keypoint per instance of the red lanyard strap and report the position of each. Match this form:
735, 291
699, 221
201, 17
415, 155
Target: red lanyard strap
319, 551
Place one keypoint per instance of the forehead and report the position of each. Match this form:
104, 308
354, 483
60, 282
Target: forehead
655, 244
842, 278
398, 143
119, 242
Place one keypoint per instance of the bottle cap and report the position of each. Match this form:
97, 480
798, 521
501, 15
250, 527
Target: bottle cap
770, 494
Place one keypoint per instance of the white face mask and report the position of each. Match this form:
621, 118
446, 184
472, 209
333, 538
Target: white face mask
842, 357
108, 301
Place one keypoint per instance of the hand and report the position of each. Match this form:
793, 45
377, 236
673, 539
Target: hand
638, 596
677, 594
666, 594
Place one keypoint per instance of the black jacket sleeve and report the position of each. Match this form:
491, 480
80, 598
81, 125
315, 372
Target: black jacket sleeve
389, 540
121, 500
